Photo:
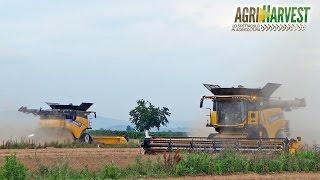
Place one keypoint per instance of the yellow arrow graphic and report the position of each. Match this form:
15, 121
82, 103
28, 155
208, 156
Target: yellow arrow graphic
263, 15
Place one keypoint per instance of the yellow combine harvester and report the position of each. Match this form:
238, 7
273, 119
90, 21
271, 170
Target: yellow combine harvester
249, 113
69, 119
246, 119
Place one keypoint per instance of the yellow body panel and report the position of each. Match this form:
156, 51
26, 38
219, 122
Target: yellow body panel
272, 120
110, 139
77, 127
213, 118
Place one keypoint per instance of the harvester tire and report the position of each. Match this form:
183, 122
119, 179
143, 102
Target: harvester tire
282, 133
253, 132
212, 135
86, 138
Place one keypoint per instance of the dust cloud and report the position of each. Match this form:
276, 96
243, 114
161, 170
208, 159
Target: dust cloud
21, 127
299, 76
197, 127
16, 125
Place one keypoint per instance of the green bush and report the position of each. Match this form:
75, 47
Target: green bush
275, 165
195, 163
86, 174
229, 161
62, 171
111, 172
147, 168
13, 168
260, 165
308, 161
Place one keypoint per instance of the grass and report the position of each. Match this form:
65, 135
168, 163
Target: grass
25, 143
13, 169
28, 144
190, 164
135, 134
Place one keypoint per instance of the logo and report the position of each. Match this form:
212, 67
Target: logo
271, 18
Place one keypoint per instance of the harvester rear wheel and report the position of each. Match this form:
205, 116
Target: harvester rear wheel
86, 138
282, 133
212, 135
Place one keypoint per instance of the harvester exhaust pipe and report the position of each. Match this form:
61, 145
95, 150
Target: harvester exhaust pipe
201, 101
146, 134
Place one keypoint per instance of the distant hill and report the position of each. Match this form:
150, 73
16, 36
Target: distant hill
121, 125
109, 123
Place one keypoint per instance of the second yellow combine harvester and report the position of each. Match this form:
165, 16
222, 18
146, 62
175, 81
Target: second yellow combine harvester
246, 119
68, 120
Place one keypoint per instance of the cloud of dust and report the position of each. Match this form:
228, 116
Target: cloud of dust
299, 76
47, 135
197, 128
18, 127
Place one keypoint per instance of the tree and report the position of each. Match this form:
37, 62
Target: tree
146, 116
129, 128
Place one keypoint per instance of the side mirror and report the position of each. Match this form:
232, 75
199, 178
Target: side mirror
74, 117
95, 115
201, 102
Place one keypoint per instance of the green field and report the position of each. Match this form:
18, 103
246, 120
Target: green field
136, 134
174, 165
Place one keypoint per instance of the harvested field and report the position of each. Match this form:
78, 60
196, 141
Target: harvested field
78, 158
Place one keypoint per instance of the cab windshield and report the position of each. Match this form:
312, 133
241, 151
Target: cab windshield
231, 112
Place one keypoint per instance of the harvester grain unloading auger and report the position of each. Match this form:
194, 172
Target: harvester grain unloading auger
246, 119
71, 119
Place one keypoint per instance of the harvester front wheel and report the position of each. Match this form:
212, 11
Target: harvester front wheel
256, 132
86, 138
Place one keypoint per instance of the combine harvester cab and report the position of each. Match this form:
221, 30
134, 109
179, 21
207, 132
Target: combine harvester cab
71, 119
245, 119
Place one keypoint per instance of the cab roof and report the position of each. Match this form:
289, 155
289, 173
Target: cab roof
265, 92
81, 107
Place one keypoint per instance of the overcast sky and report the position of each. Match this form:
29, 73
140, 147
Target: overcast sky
113, 53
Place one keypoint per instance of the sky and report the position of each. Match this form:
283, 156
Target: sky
113, 53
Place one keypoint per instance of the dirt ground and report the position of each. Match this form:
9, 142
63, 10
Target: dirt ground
282, 176
93, 158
